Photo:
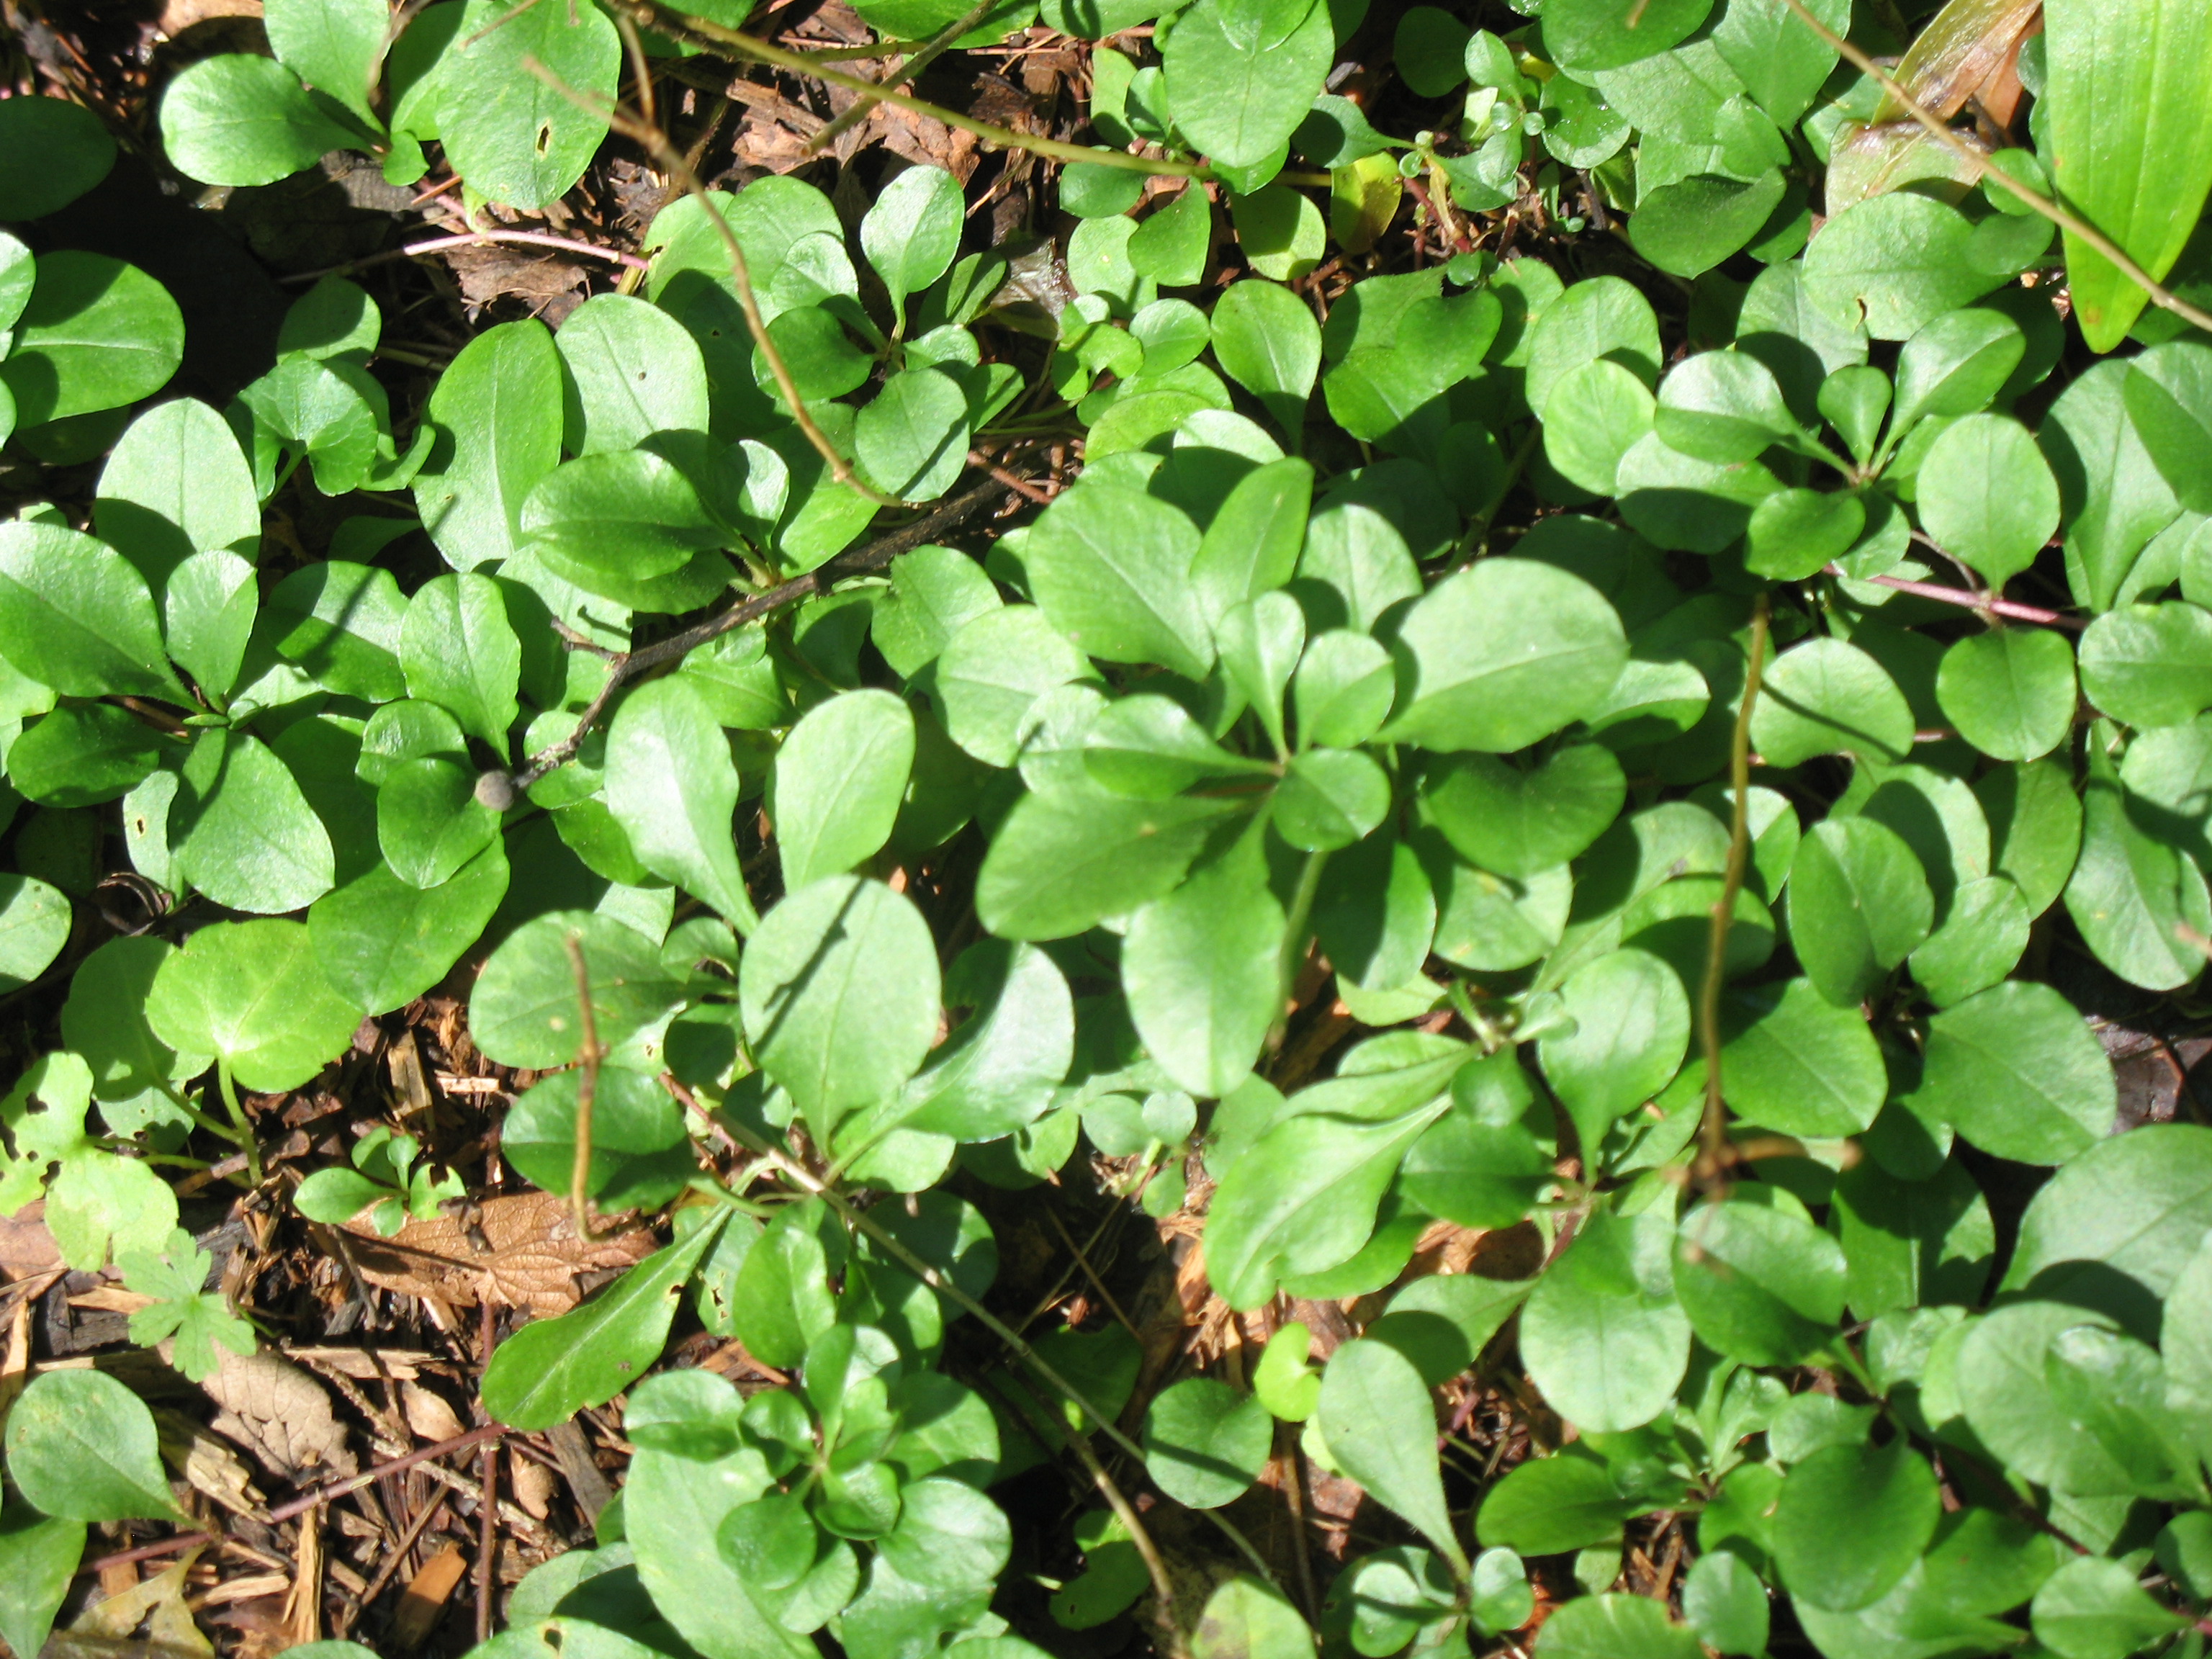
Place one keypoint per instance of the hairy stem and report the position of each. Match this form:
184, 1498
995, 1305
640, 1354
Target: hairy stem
1712, 1156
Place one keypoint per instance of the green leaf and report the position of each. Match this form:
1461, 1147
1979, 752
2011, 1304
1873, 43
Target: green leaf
174, 485
995, 669
1498, 656
1795, 1062
1205, 1444
1824, 696
459, 651
429, 820
241, 119
1343, 691
997, 1072
2018, 1073
2131, 895
1063, 860
1603, 1335
641, 1157
1631, 1028
1678, 501
1603, 319
2094, 1608
912, 230
1722, 406
1726, 1604
341, 623
837, 783
1375, 1416
2130, 142
38, 1554
1859, 905
629, 370
2132, 1207
80, 1447
2010, 691
1281, 233
1267, 342
2144, 663
1610, 1626
496, 411
1599, 412
73, 153
382, 942
1896, 261
1170, 246
1781, 64
1518, 822
1202, 970
1852, 1521
199, 1319
840, 992
1245, 1618
1241, 74
1331, 798
627, 524
1761, 1283
1587, 35
514, 137
104, 1018
1549, 1505
524, 1010
1150, 747
83, 755
75, 616
1111, 567
1796, 533
672, 788
551, 1369
1955, 365
1688, 226
911, 441
242, 832
1303, 1197
1982, 938
209, 611
335, 46
250, 994
1987, 496
1252, 546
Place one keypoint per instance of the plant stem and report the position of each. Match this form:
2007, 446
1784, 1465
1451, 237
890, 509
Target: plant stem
1958, 596
2066, 221
625, 665
1712, 1156
862, 106
587, 1088
712, 37
670, 158
244, 1137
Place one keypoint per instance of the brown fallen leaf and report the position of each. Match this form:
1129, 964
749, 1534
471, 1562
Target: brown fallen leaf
280, 1414
424, 1602
111, 1627
26, 1248
525, 1250
428, 1415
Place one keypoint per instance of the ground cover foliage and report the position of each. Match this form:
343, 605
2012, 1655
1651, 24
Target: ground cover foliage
1535, 677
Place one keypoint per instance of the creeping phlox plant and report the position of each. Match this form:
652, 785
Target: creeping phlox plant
1709, 761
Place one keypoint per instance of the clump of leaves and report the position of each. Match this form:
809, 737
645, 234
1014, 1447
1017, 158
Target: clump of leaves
1574, 699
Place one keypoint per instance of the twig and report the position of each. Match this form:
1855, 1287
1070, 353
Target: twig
2071, 223
1960, 597
439, 244
301, 1505
862, 106
711, 37
587, 1089
623, 666
671, 159
1091, 1273
1713, 1134
429, 1512
487, 1537
943, 1286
